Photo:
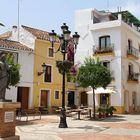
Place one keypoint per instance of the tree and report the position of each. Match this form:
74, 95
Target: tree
14, 75
1, 24
94, 75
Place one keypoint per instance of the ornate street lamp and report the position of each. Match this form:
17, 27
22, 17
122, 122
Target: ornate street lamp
65, 38
43, 70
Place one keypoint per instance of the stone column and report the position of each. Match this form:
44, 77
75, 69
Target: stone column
8, 120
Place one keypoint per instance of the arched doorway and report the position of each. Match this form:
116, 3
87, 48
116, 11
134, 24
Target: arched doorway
126, 101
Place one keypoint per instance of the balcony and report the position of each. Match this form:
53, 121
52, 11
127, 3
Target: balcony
132, 53
133, 77
108, 50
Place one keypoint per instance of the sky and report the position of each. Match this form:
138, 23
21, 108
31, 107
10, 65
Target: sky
51, 14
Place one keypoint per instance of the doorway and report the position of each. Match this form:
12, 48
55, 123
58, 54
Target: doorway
104, 99
84, 98
134, 105
71, 98
126, 102
23, 97
44, 98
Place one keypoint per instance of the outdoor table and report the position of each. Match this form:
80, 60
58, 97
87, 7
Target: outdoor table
89, 110
78, 111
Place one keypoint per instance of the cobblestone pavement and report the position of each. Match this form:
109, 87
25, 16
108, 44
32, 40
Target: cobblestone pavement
122, 127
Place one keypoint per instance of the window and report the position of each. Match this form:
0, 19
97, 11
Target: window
13, 54
130, 68
48, 73
56, 94
106, 64
104, 99
51, 54
129, 44
104, 42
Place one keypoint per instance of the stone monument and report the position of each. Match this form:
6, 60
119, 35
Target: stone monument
4, 76
7, 109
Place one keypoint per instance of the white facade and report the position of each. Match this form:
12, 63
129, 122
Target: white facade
26, 61
119, 33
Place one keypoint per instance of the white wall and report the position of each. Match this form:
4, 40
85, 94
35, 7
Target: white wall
11, 94
134, 36
26, 61
25, 37
119, 32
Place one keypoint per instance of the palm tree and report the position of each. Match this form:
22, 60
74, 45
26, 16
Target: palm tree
2, 24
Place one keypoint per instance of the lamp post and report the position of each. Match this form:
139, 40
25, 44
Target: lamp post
65, 38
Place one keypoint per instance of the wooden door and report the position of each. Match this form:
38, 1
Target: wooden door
23, 97
44, 98
84, 98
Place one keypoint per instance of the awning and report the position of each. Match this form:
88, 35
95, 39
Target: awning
102, 91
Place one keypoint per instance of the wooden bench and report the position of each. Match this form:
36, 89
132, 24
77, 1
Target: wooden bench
43, 109
29, 112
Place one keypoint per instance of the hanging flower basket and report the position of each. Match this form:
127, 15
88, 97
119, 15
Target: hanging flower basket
64, 66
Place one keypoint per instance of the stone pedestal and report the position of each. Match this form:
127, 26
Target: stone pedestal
8, 120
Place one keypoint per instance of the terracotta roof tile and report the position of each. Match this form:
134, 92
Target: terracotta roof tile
40, 34
14, 45
6, 35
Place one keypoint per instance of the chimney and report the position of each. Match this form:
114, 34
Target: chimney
120, 16
14, 28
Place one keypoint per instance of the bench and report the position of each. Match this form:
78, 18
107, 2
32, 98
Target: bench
43, 109
29, 112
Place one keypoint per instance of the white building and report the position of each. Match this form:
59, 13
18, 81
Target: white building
115, 39
22, 55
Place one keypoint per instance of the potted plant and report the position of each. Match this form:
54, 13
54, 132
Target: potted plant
100, 112
107, 111
111, 110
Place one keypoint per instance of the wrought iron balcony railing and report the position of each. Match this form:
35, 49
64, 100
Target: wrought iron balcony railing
133, 51
103, 50
133, 76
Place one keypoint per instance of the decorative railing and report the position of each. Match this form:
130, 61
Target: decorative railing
103, 50
133, 51
133, 76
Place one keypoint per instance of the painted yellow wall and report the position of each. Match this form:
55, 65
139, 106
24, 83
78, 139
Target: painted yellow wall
40, 57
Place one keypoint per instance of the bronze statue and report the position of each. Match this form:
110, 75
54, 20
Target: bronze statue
4, 76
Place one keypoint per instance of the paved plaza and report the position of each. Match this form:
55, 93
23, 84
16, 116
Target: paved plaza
120, 127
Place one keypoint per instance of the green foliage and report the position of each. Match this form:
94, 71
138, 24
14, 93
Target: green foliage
93, 74
112, 109
64, 66
1, 24
14, 75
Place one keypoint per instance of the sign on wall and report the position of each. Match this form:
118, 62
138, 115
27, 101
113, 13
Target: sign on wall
9, 116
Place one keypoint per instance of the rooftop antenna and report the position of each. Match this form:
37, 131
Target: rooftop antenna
108, 5
18, 19
120, 9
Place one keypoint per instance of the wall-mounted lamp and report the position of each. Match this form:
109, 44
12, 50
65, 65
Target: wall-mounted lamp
43, 71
